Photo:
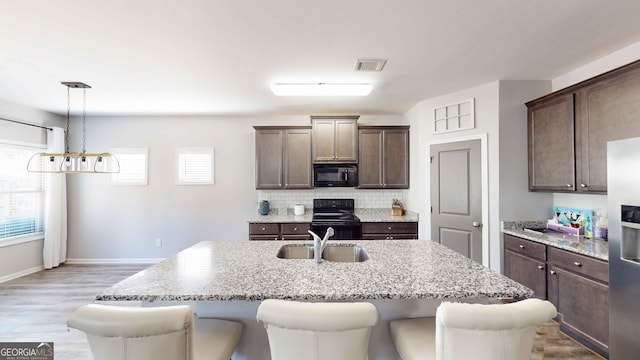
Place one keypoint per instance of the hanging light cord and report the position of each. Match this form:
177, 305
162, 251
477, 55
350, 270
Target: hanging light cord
66, 143
84, 120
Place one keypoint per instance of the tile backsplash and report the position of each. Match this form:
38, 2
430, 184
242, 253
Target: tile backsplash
375, 199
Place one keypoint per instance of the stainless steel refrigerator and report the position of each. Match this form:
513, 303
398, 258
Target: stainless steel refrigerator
623, 191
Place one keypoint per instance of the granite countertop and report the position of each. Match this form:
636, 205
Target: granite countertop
596, 248
250, 270
365, 215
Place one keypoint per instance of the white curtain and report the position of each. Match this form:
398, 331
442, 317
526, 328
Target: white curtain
55, 215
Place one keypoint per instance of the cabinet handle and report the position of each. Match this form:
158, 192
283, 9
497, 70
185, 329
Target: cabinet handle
577, 263
521, 247
276, 238
583, 185
552, 272
540, 267
295, 229
569, 186
263, 229
390, 237
389, 228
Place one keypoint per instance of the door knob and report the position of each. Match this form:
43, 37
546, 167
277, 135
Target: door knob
476, 224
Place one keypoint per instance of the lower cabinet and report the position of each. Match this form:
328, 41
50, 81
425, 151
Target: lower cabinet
524, 262
576, 284
279, 231
389, 230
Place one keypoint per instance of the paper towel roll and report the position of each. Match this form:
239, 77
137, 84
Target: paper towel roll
298, 210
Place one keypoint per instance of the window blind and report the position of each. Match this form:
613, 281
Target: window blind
195, 166
21, 193
133, 166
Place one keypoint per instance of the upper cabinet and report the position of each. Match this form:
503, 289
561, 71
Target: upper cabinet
605, 111
335, 139
551, 156
384, 157
283, 158
569, 130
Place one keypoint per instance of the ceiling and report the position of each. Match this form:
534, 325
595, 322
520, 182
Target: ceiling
214, 57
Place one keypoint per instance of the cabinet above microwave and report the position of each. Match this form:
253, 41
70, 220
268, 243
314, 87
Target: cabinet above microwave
335, 139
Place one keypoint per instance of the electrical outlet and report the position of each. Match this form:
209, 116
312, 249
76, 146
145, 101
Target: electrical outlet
158, 242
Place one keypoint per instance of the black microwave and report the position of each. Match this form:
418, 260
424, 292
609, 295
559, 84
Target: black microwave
335, 175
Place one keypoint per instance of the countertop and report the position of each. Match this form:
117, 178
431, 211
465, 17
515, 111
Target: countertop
596, 248
365, 215
250, 270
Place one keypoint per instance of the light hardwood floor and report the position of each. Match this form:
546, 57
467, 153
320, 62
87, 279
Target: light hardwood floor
36, 308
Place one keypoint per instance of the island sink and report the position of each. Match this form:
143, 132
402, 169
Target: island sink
333, 252
295, 252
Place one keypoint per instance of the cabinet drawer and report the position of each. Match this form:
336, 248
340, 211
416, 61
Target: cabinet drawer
525, 247
390, 227
264, 229
296, 229
580, 264
264, 237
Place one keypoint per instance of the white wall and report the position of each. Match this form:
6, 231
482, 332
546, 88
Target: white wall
486, 119
516, 201
501, 114
21, 259
612, 61
122, 222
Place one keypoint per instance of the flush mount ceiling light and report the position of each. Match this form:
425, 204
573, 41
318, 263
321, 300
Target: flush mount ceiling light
321, 89
74, 163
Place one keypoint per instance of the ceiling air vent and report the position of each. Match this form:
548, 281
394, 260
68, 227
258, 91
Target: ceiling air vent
370, 64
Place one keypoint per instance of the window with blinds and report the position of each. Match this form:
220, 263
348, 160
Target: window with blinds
194, 166
21, 193
133, 166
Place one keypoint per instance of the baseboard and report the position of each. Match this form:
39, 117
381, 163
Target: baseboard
18, 274
92, 261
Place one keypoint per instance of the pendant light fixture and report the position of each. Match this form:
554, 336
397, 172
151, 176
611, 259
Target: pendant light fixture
74, 163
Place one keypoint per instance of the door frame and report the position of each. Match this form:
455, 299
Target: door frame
484, 178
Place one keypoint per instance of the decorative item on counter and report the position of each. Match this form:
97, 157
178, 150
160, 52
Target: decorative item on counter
396, 208
572, 221
298, 210
600, 224
263, 209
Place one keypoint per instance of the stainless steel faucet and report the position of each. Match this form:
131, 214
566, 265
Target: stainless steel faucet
319, 244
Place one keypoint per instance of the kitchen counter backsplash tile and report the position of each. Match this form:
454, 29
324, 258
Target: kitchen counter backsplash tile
596, 248
370, 199
232, 270
365, 215
384, 215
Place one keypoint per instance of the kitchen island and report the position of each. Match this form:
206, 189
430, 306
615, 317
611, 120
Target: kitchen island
230, 279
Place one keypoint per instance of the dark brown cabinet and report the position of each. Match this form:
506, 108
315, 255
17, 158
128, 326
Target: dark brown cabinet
279, 231
605, 111
524, 262
383, 157
578, 287
283, 158
551, 146
568, 130
389, 230
335, 139
576, 284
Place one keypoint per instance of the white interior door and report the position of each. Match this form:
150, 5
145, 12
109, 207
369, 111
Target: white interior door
456, 197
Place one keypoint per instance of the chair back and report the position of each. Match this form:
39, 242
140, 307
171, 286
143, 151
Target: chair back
128, 333
489, 332
318, 331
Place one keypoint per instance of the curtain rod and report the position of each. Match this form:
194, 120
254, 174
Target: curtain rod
24, 123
